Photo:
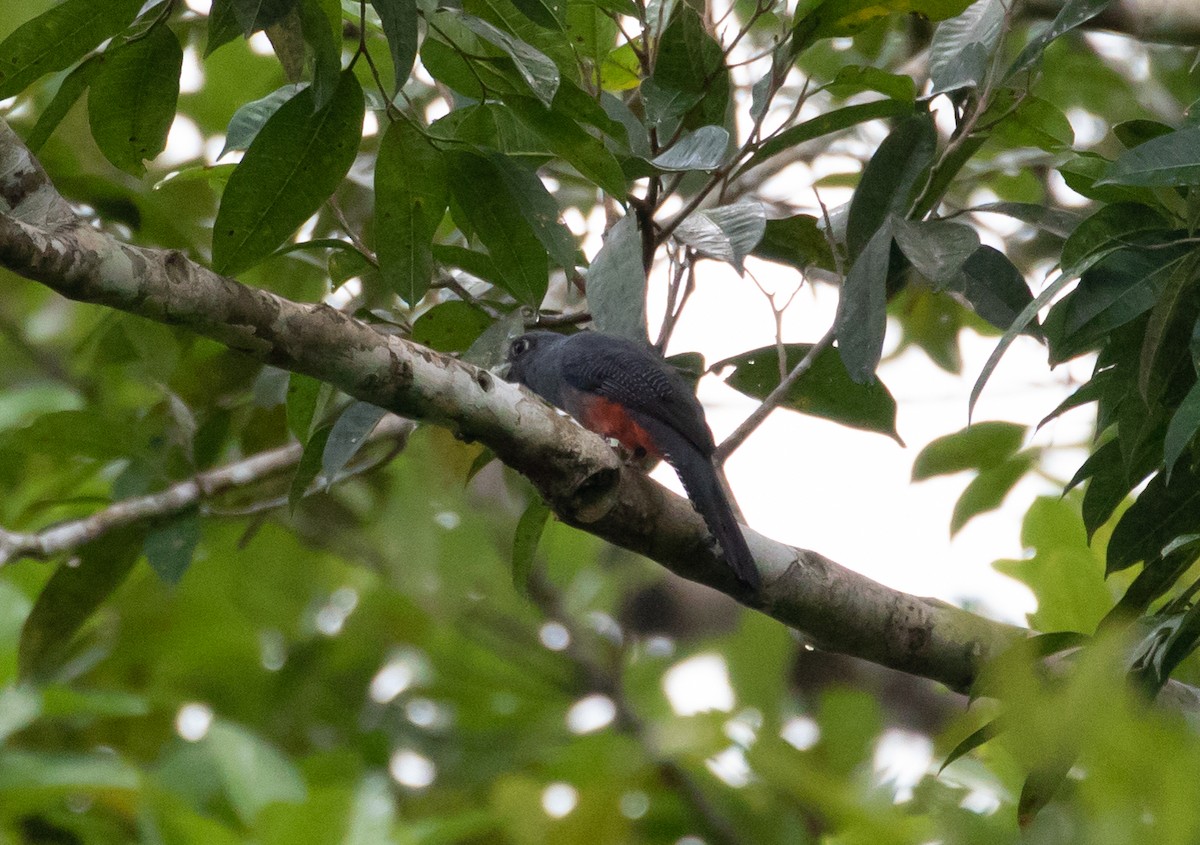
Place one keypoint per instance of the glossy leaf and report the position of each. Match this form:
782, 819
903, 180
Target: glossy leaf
399, 21
962, 47
58, 38
825, 124
1161, 513
798, 241
861, 319
68, 93
1055, 221
888, 184
539, 72
826, 390
132, 101
1073, 13
994, 287
1166, 161
525, 542
350, 431
937, 249
704, 149
616, 283
169, 545
309, 467
77, 587
293, 165
1184, 424
834, 18
979, 446
450, 326
495, 216
249, 118
306, 401
410, 201
726, 232
565, 138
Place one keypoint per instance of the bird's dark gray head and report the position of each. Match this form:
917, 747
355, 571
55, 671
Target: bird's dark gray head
534, 360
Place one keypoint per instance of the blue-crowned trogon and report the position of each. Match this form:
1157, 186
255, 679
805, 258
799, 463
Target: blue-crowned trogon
623, 390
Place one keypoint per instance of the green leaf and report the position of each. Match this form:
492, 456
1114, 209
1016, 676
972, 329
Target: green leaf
74, 591
351, 430
132, 100
540, 209
826, 390
399, 21
223, 26
566, 139
1027, 316
316, 28
704, 149
980, 446
481, 194
798, 241
1072, 14
58, 38
936, 248
71, 89
1066, 576
835, 18
974, 740
987, 490
1163, 162
616, 283
490, 349
253, 774
1161, 513
1117, 289
1029, 121
727, 232
293, 165
689, 60
1184, 424
546, 13
861, 319
1160, 320
450, 326
169, 545
833, 121
525, 542
309, 466
1055, 221
854, 79
962, 46
306, 400
994, 287
410, 201
67, 772
255, 15
249, 118
539, 71
890, 180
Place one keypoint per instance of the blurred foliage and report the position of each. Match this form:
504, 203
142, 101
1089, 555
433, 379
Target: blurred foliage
353, 648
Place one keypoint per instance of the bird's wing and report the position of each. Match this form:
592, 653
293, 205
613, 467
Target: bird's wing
637, 379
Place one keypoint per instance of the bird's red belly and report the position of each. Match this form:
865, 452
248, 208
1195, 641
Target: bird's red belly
610, 419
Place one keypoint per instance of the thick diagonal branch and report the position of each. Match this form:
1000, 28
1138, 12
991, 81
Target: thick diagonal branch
574, 469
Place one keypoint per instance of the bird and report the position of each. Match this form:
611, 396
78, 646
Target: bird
623, 390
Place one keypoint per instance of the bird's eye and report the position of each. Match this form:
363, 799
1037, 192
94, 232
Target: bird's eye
519, 346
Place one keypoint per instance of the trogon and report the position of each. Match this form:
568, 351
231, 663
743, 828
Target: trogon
623, 390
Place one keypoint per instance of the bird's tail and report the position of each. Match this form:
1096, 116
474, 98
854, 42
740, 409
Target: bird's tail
703, 486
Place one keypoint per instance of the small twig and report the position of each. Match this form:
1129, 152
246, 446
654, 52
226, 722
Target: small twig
65, 536
774, 398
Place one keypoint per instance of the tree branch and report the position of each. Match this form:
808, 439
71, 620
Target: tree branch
574, 469
66, 536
